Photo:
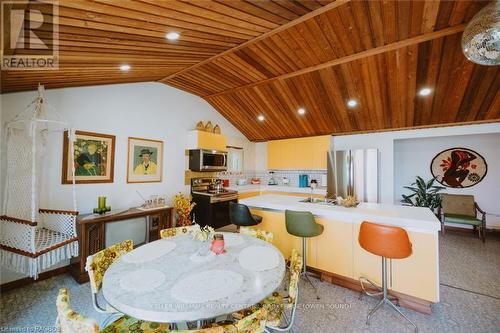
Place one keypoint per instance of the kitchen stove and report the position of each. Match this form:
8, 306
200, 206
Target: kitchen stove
212, 202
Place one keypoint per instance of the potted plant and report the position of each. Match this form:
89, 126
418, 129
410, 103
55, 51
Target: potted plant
183, 206
425, 194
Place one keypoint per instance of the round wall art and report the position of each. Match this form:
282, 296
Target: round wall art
459, 167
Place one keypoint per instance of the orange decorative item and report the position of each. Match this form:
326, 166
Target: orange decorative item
255, 181
218, 244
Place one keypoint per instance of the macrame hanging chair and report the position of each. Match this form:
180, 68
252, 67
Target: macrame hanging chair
32, 238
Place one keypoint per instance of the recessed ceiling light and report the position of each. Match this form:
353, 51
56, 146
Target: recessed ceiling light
260, 118
301, 111
425, 91
172, 35
125, 67
352, 103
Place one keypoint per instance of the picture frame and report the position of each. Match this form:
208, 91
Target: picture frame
93, 157
144, 160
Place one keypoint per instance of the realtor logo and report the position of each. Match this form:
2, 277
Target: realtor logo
29, 35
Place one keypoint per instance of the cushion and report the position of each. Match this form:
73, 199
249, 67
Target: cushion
257, 218
458, 204
98, 263
260, 234
127, 324
461, 219
273, 306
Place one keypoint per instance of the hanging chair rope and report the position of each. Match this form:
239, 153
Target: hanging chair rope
33, 239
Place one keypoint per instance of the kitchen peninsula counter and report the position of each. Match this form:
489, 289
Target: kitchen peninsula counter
337, 256
415, 218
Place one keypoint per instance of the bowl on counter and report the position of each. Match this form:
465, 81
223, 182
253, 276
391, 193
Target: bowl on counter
241, 181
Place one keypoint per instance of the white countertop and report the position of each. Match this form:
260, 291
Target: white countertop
276, 188
414, 218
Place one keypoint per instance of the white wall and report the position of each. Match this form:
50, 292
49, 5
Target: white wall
146, 110
388, 162
413, 158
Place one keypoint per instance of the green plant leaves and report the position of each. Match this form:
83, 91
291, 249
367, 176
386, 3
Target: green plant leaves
425, 194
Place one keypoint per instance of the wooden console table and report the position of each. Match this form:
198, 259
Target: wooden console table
92, 230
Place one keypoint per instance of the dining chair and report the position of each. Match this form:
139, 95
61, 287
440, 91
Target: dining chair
276, 304
260, 234
96, 266
70, 321
176, 231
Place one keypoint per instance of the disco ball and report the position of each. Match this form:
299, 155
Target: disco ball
481, 37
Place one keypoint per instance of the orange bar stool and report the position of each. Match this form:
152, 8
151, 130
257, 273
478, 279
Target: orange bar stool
387, 242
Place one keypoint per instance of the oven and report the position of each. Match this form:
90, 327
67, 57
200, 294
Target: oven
212, 202
213, 210
207, 160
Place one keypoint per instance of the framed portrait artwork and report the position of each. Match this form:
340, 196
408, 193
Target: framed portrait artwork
145, 160
459, 167
93, 156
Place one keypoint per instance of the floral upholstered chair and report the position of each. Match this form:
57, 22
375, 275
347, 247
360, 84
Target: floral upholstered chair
97, 265
274, 305
70, 321
172, 232
260, 234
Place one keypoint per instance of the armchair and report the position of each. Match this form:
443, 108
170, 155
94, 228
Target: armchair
462, 209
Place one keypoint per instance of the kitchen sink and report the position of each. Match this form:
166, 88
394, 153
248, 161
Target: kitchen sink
319, 201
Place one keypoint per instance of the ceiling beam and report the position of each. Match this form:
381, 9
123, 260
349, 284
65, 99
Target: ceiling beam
301, 19
360, 55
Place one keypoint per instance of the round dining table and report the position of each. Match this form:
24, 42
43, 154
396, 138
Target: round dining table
179, 279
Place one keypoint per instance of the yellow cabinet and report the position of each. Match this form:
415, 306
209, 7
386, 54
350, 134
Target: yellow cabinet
274, 155
333, 248
421, 282
321, 145
206, 140
300, 153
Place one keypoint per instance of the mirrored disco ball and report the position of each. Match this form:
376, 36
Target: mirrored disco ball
481, 37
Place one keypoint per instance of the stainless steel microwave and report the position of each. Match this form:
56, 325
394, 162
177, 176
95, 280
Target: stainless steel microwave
207, 160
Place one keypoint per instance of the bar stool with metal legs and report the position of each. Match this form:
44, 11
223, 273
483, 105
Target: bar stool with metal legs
387, 242
302, 224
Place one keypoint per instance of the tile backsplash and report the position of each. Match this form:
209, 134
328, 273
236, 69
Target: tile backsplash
292, 175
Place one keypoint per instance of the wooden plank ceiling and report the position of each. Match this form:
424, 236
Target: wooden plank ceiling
96, 37
252, 58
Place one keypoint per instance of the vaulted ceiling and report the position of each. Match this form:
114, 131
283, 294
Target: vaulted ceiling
271, 57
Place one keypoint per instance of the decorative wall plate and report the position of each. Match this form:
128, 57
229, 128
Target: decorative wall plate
459, 167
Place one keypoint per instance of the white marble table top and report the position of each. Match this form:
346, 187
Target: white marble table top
185, 283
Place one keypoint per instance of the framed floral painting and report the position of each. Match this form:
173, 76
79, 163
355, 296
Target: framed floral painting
145, 160
93, 157
459, 167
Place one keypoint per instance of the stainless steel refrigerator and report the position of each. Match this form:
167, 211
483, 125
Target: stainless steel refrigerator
353, 172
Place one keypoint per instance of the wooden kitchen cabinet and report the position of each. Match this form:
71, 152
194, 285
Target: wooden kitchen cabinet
300, 153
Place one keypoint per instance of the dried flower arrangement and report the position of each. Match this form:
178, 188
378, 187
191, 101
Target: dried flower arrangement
183, 207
